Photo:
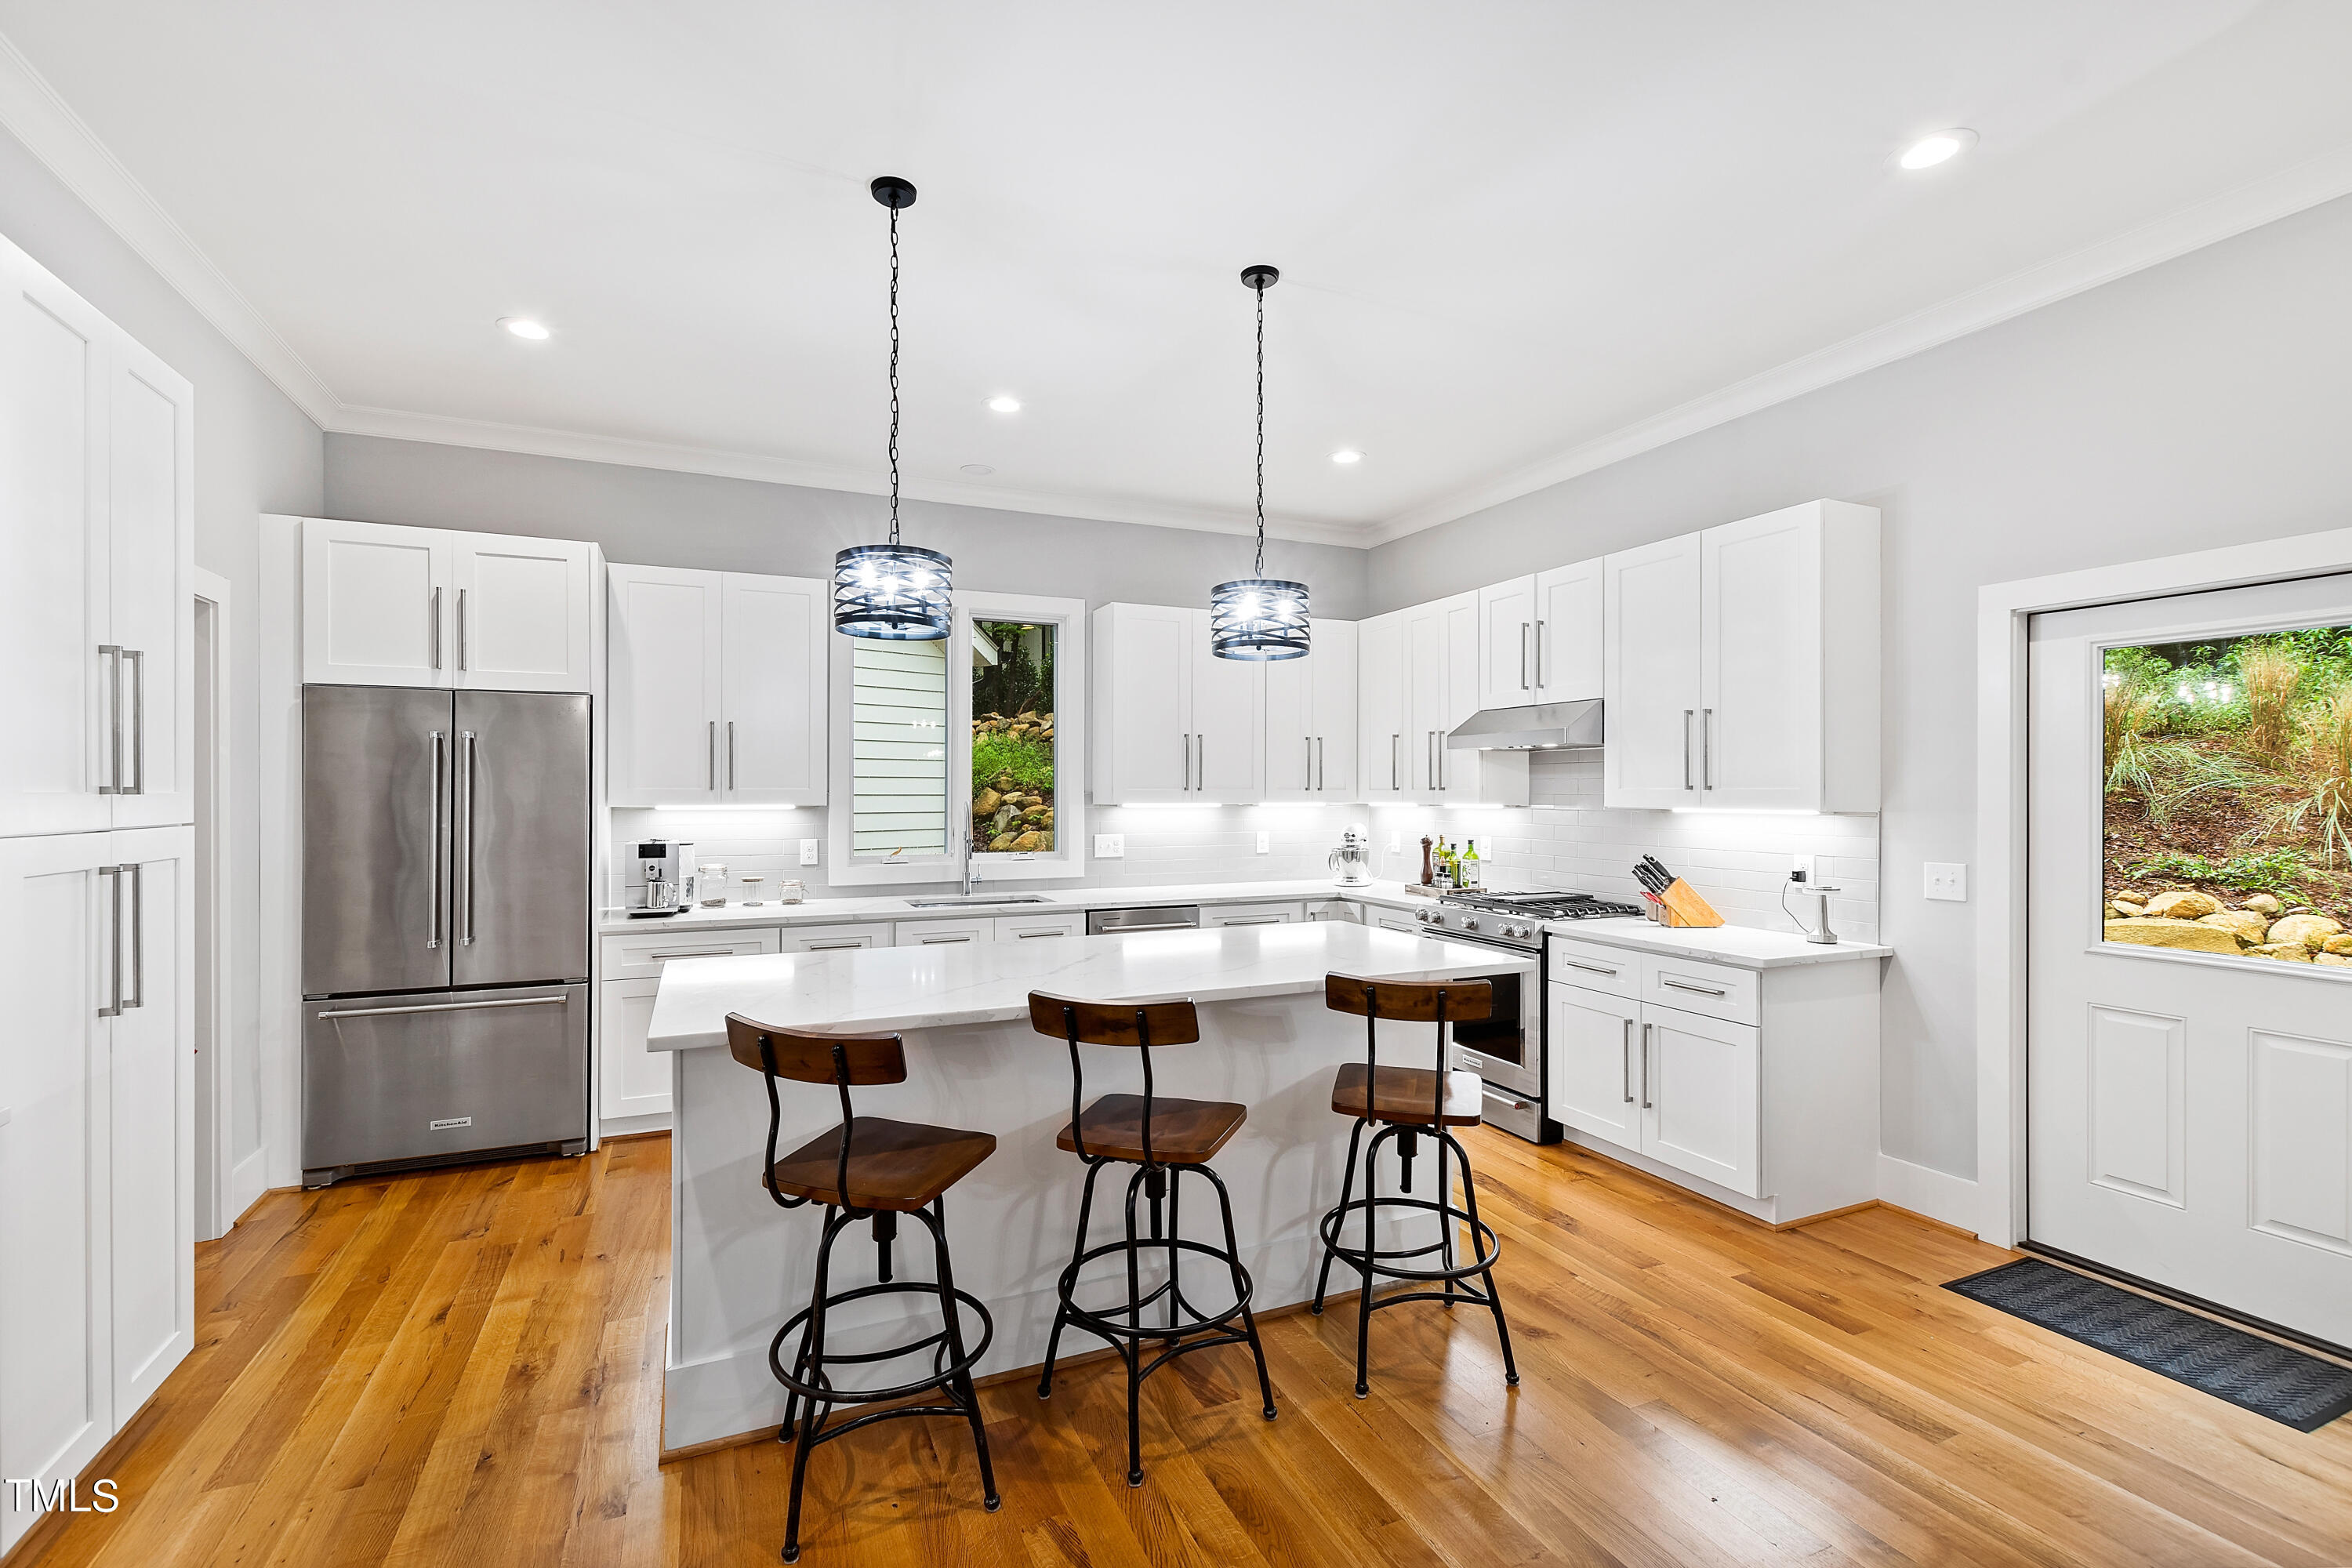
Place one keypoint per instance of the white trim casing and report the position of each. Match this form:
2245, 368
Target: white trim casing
2003, 609
222, 854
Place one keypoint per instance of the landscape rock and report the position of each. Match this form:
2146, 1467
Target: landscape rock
2185, 934
2263, 903
2341, 944
1001, 843
985, 803
2340, 960
2311, 931
2249, 925
2285, 952
1029, 842
2183, 904
2125, 909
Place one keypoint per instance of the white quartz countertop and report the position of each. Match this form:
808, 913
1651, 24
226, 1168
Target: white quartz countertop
891, 988
1059, 900
1743, 947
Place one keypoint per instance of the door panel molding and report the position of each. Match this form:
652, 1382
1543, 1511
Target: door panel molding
2136, 1133
2299, 1145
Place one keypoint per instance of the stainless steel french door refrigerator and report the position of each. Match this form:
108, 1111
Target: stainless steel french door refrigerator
446, 868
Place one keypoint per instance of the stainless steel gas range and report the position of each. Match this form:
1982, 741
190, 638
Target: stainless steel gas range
1506, 1050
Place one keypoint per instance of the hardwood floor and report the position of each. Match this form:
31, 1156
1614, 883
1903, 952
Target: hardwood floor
465, 1368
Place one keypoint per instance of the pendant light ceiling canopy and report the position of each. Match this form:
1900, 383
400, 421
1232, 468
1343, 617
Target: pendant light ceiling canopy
894, 591
1259, 618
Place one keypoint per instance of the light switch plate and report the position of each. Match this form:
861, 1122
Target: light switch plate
1947, 880
808, 851
1265, 842
1110, 846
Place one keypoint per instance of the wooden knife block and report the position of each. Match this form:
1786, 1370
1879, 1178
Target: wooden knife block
1685, 908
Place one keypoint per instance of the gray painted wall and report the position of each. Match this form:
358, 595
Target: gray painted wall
2200, 403
652, 516
256, 452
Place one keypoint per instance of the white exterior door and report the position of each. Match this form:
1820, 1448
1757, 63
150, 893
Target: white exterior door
2189, 1112
1142, 698
524, 610
56, 703
376, 604
1759, 724
1228, 706
1591, 1047
1702, 1097
152, 497
1383, 709
772, 688
1506, 640
1569, 649
663, 675
1651, 675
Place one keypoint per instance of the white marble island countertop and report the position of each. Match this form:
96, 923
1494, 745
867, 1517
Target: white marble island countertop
894, 988
1742, 947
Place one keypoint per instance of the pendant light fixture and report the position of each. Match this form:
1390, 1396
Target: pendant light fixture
893, 591
1258, 618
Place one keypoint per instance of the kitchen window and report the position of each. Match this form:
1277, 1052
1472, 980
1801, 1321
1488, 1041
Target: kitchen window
981, 734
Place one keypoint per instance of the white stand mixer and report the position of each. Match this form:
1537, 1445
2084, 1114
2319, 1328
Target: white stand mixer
1353, 860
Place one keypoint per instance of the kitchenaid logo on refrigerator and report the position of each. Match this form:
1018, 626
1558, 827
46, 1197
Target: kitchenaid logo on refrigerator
33, 1495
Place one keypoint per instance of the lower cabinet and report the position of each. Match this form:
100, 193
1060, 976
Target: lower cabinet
1679, 1087
1252, 914
630, 1079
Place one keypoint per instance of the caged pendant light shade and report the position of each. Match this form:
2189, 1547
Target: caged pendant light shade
1259, 618
894, 591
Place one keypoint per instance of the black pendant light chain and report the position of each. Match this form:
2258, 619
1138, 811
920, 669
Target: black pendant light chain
894, 372
1258, 616
1259, 570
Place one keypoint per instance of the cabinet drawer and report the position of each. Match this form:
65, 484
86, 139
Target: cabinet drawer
942, 934
1596, 968
1717, 990
1022, 927
825, 938
641, 957
1252, 914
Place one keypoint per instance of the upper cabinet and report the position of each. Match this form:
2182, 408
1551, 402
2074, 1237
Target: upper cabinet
1171, 721
718, 683
1383, 709
1310, 719
387, 606
1421, 672
1742, 665
96, 502
1539, 637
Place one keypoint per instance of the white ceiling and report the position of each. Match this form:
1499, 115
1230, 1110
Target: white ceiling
1517, 239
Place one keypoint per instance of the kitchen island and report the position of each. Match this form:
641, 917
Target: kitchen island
741, 1266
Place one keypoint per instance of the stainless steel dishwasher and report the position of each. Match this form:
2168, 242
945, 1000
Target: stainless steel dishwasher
1160, 917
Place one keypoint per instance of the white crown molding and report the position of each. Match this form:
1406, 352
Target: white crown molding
32, 110
2318, 179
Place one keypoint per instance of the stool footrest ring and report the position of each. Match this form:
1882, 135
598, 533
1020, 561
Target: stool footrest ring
1485, 1249
942, 1369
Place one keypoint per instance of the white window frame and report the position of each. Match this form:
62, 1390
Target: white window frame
1066, 860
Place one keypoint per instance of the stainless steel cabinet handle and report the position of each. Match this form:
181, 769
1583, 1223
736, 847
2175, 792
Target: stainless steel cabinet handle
1523, 654
138, 659
1706, 747
710, 754
730, 753
440, 830
1645, 1066
461, 629
1025, 936
1540, 632
138, 997
113, 875
1201, 750
1310, 762
435, 612
1322, 780
1588, 968
1688, 713
445, 1007
693, 953
465, 832
1625, 1060
114, 656
831, 946
939, 941
1669, 980
1254, 920
1394, 736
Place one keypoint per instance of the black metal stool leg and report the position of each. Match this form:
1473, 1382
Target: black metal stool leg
1445, 1220
1494, 1297
1131, 1351
961, 1391
1175, 1254
1063, 1288
1347, 1193
1364, 1301
813, 1412
1241, 1288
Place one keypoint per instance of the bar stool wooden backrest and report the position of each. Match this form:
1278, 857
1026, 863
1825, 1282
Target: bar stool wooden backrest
1440, 1002
837, 1059
1142, 1025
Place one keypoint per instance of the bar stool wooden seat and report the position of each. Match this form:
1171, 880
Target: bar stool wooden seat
1166, 1140
871, 1168
1406, 1103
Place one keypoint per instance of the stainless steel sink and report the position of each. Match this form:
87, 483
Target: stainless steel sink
953, 901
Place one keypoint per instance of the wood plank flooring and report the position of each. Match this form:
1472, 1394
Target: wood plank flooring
465, 1368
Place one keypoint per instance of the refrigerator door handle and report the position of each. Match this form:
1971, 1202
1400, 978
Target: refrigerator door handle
444, 1007
113, 875
466, 833
440, 831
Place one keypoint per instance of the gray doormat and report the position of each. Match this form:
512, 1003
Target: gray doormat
2249, 1371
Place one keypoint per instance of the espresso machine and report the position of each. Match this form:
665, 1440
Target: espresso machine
668, 871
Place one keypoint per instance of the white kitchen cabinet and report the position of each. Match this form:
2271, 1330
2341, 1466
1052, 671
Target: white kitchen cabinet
390, 605
1507, 631
718, 683
1592, 1038
97, 499
1028, 928
1442, 642
1701, 1097
1253, 914
1383, 709
1742, 665
630, 1079
1539, 637
829, 939
1173, 722
1425, 693
942, 934
1310, 719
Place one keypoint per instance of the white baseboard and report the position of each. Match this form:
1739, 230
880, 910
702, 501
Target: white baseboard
1922, 1189
247, 1180
630, 1126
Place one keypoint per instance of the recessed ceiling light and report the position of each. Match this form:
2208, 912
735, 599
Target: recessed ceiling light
1941, 147
978, 470
1005, 405
524, 327
1346, 455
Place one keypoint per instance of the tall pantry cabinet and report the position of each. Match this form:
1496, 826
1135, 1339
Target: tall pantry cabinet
97, 1213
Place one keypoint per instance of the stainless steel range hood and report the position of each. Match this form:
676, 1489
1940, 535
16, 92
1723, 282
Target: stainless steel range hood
1540, 727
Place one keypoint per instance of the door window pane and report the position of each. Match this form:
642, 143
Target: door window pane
1013, 744
2227, 795
898, 749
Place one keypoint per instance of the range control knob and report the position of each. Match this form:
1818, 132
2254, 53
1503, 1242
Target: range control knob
1469, 925
1422, 915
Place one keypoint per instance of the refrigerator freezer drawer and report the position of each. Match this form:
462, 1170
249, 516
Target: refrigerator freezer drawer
440, 1074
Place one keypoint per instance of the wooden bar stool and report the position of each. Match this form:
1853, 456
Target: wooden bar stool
1165, 1140
1406, 1102
866, 1169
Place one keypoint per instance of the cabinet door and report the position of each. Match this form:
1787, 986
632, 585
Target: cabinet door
1592, 1046
1651, 674
1228, 705
1569, 637
771, 743
1382, 709
1459, 773
1761, 696
1290, 724
56, 702
1506, 635
1143, 738
1703, 1107
631, 1080
374, 604
1333, 720
57, 1366
151, 498
1424, 685
525, 611
826, 938
664, 661
150, 1229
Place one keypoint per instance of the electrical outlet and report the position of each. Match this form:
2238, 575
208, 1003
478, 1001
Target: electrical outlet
1265, 842
808, 851
1803, 866
1947, 880
1110, 846
1396, 843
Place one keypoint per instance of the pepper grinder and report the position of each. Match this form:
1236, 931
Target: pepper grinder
1428, 866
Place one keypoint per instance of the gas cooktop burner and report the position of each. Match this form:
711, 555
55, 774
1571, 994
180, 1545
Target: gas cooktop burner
1542, 906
